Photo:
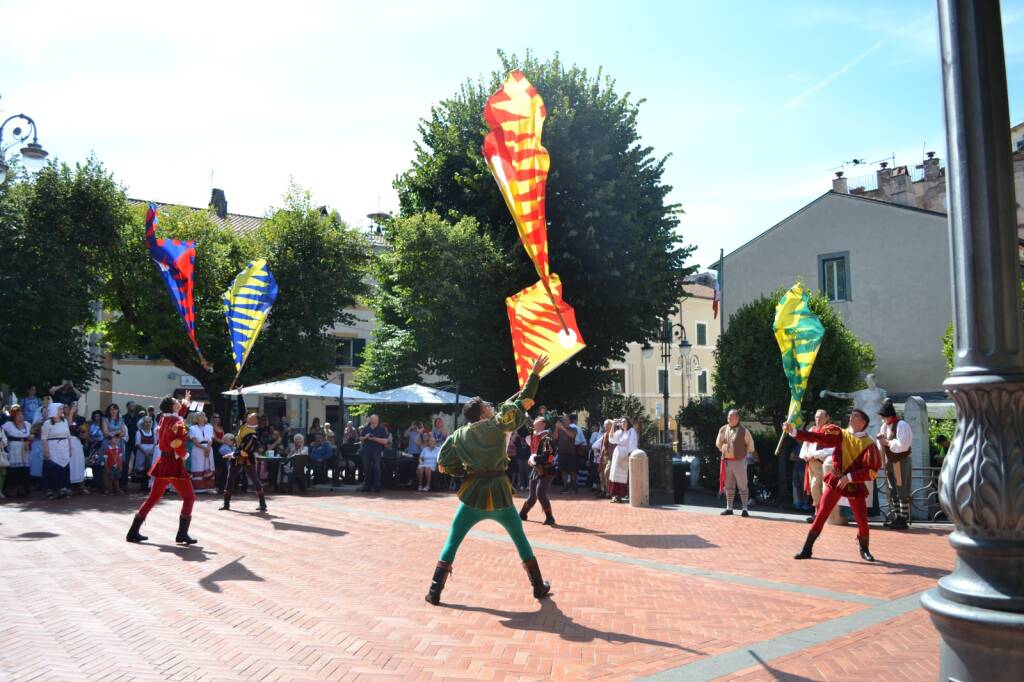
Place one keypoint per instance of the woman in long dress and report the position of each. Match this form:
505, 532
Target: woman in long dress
145, 444
19, 446
56, 452
200, 435
76, 468
626, 441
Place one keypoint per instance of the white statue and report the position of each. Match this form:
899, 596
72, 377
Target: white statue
869, 399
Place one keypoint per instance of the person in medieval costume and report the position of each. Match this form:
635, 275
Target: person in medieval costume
855, 463
169, 470
477, 453
542, 463
894, 441
244, 457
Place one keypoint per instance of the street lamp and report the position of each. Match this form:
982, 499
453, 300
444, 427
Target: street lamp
669, 330
32, 152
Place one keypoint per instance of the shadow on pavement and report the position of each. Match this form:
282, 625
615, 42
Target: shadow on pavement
329, 532
661, 541
190, 553
778, 674
234, 571
33, 535
550, 618
897, 568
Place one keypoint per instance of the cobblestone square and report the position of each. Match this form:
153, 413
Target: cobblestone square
330, 586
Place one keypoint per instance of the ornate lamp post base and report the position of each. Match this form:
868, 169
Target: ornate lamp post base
979, 608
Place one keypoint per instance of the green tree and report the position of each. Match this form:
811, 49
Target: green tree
704, 416
429, 303
612, 235
319, 265
748, 365
56, 229
947, 338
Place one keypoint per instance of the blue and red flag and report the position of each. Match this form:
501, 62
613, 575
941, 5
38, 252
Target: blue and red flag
176, 261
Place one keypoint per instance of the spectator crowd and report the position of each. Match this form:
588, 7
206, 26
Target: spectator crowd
48, 446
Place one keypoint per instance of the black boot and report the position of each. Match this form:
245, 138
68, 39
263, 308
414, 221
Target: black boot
183, 536
864, 553
263, 504
133, 532
441, 573
540, 586
227, 502
805, 553
549, 518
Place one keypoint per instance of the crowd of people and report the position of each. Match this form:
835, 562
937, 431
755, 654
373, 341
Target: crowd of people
48, 446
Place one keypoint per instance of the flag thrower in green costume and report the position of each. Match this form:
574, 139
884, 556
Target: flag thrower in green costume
478, 453
799, 333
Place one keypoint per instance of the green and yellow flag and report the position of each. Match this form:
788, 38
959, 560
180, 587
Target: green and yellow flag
799, 333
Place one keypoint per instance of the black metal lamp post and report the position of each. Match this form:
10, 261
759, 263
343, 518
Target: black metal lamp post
669, 330
32, 151
979, 608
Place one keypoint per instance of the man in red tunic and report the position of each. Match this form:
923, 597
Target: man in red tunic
169, 470
855, 461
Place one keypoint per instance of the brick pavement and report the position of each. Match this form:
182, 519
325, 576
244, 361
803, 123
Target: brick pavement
329, 586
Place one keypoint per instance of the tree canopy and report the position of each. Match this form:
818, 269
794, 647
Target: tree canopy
748, 365
56, 230
319, 264
612, 235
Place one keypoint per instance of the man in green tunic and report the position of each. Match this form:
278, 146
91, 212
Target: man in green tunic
478, 453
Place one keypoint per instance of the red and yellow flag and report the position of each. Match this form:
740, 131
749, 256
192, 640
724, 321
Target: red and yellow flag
519, 163
537, 330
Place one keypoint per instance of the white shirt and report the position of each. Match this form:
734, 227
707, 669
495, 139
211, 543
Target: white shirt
811, 451
903, 439
59, 448
145, 448
203, 434
17, 453
625, 441
428, 457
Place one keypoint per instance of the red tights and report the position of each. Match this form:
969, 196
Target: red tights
829, 499
182, 485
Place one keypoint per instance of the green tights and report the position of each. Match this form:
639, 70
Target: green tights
467, 517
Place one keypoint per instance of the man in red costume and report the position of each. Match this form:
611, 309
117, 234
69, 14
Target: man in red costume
855, 461
169, 470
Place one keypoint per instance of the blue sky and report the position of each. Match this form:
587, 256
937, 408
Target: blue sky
757, 103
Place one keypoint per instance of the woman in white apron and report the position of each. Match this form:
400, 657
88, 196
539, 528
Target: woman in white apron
145, 444
201, 460
19, 434
56, 452
626, 441
76, 469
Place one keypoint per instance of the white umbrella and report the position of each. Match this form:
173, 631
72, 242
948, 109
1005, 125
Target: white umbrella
417, 394
305, 387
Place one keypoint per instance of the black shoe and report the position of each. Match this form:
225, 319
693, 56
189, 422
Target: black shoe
864, 553
183, 537
523, 515
549, 521
227, 503
805, 553
263, 504
727, 512
744, 513
441, 573
899, 524
541, 587
809, 519
133, 533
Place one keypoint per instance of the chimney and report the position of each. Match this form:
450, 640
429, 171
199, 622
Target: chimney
840, 185
931, 167
219, 203
884, 174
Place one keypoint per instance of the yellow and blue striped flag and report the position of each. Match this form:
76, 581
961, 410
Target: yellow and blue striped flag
246, 305
799, 333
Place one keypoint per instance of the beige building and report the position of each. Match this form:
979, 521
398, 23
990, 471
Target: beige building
642, 372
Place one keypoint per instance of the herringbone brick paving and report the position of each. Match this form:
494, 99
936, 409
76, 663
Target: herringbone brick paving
330, 587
